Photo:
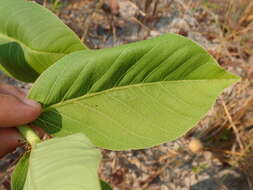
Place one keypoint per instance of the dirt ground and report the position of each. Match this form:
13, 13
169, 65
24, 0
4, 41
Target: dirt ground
224, 160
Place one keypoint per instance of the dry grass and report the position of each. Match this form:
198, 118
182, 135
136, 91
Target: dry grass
230, 136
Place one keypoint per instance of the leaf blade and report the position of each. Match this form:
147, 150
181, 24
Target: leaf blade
72, 157
94, 96
18, 176
28, 49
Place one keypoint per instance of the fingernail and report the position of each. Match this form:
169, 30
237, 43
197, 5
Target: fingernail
31, 103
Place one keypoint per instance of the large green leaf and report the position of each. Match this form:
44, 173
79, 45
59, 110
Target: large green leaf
133, 96
19, 174
64, 163
32, 38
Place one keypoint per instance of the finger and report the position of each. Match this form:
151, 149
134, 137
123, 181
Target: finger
17, 92
14, 112
10, 140
12, 90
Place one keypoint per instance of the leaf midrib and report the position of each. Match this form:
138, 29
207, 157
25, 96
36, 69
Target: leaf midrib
62, 103
26, 46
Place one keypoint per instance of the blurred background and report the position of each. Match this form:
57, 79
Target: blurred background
218, 153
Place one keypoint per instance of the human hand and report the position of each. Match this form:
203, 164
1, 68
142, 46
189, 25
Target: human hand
15, 110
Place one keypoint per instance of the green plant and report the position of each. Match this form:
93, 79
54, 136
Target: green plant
56, 5
130, 97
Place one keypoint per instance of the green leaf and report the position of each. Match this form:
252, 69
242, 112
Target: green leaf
133, 96
64, 163
19, 174
32, 38
104, 185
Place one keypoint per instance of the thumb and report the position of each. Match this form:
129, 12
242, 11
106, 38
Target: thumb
17, 111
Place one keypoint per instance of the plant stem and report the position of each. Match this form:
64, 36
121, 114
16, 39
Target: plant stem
30, 136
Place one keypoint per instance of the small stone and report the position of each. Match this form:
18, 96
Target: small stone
195, 145
155, 33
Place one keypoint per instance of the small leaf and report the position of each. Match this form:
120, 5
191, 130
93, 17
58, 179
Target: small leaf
104, 185
19, 174
133, 96
32, 38
64, 163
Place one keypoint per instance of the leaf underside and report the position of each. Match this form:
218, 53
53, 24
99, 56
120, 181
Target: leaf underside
133, 96
31, 39
62, 164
